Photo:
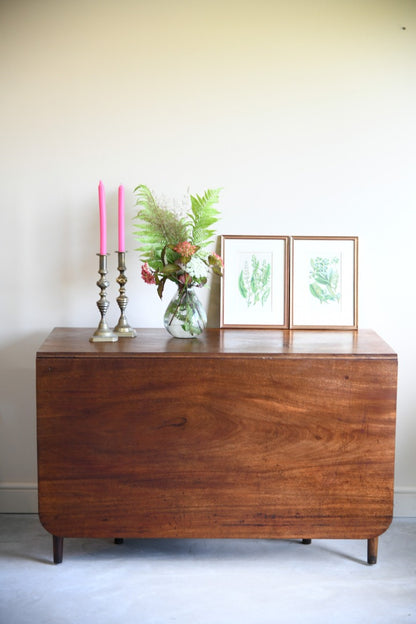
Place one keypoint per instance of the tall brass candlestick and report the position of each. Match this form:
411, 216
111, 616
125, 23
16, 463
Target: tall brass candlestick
123, 329
103, 333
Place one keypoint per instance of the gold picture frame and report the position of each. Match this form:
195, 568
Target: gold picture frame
255, 285
324, 282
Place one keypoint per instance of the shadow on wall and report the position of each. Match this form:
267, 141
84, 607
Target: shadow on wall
214, 298
18, 409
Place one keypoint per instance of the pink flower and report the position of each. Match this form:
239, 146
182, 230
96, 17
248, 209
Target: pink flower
217, 259
185, 249
216, 263
147, 274
185, 279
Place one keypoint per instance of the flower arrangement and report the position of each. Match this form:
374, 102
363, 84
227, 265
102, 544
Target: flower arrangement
174, 243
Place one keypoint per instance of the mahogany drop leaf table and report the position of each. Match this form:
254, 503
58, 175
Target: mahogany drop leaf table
236, 434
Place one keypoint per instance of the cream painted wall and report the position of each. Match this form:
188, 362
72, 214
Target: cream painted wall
303, 111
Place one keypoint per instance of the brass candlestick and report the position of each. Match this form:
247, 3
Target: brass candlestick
103, 333
123, 329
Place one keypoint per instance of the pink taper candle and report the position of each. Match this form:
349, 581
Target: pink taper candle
121, 239
103, 219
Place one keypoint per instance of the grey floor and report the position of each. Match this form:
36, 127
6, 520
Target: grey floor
204, 581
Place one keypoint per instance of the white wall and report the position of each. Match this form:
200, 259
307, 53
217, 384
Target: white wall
303, 111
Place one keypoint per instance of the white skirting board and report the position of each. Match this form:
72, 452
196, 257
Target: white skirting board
23, 498
18, 498
405, 502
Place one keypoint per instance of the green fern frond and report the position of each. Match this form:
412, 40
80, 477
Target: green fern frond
159, 230
156, 227
145, 197
202, 216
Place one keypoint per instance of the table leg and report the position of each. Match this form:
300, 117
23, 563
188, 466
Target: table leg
58, 548
372, 548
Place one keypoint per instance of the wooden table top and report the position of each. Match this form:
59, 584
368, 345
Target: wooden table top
363, 343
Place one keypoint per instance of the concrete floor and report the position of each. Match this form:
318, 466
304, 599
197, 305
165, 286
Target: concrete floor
204, 581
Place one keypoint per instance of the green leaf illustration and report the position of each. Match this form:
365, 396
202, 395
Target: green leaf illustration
254, 281
241, 286
325, 279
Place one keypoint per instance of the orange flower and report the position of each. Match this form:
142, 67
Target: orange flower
185, 249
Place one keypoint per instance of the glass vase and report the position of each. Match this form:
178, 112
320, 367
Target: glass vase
185, 316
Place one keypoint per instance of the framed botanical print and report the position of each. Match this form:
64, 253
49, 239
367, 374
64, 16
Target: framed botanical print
324, 288
255, 286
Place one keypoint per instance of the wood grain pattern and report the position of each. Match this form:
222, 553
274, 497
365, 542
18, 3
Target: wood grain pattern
258, 434
223, 343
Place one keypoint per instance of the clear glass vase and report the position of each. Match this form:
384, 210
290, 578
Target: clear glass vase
185, 316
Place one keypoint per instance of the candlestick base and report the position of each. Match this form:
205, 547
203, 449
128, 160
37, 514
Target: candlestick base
103, 333
125, 332
123, 329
